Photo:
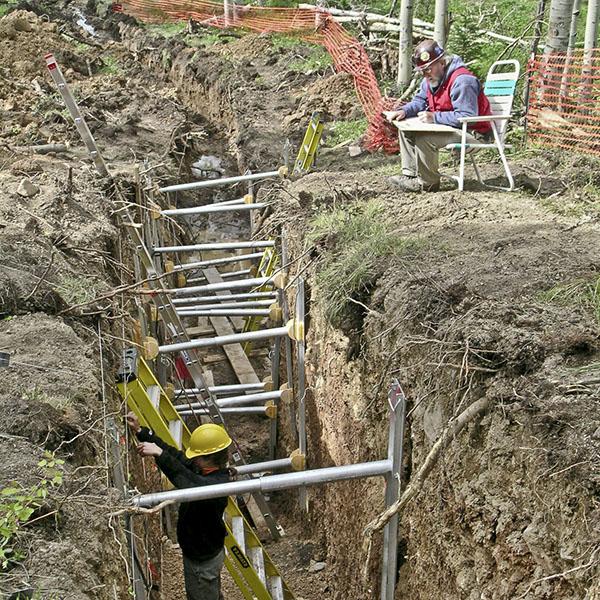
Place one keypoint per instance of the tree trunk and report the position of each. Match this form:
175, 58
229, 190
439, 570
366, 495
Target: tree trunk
405, 70
440, 32
558, 27
589, 43
537, 35
564, 85
591, 25
557, 42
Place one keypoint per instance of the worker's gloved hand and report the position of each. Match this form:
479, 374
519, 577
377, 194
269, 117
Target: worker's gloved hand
133, 422
148, 449
426, 117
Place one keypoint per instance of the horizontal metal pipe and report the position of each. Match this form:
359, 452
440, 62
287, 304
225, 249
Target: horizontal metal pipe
261, 467
214, 246
210, 209
203, 264
269, 483
229, 202
257, 304
226, 275
224, 340
216, 182
226, 312
237, 284
270, 295
236, 410
221, 389
235, 400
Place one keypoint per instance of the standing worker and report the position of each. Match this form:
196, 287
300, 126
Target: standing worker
200, 528
448, 92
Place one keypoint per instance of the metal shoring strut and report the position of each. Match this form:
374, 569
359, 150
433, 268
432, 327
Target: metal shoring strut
287, 341
281, 172
178, 333
397, 404
300, 351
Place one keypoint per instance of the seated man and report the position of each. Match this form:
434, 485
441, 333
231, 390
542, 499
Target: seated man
448, 92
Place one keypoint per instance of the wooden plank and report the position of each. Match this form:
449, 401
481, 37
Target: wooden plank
244, 370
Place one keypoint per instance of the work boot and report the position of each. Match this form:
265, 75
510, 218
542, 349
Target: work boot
412, 184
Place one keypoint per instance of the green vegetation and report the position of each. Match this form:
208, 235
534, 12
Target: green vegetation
167, 29
18, 503
584, 293
6, 5
359, 239
283, 41
111, 66
341, 131
76, 289
318, 60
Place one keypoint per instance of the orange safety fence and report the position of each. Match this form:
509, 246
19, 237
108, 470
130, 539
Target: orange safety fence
564, 101
313, 25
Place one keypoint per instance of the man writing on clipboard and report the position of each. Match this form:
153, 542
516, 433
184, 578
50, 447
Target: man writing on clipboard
448, 92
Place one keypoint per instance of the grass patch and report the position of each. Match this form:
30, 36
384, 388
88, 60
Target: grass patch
318, 60
358, 243
167, 29
342, 131
282, 41
584, 293
111, 66
76, 290
6, 5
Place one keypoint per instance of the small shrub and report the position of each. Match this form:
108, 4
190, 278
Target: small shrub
18, 503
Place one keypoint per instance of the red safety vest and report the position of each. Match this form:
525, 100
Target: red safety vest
441, 101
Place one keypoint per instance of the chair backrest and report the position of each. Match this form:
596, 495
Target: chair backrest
500, 87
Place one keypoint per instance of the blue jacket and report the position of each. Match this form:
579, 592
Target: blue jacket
464, 94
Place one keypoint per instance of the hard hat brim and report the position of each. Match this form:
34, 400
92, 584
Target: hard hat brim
189, 453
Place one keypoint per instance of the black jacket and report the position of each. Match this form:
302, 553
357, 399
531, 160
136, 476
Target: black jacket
200, 528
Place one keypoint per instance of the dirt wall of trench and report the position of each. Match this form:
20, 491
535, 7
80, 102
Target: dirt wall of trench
510, 508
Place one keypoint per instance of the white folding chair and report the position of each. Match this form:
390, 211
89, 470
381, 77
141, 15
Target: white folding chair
499, 87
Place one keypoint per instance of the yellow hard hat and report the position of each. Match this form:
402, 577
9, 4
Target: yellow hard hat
207, 439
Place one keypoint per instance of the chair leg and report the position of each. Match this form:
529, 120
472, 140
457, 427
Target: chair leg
511, 182
463, 151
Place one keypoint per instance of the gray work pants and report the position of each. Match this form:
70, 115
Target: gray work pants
203, 579
419, 153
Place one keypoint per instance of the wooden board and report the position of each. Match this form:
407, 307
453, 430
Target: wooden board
244, 370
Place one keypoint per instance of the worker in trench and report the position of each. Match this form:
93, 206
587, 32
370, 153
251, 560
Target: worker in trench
448, 92
200, 528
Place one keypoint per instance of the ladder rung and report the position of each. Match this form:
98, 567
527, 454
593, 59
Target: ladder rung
237, 529
176, 429
276, 587
153, 392
258, 562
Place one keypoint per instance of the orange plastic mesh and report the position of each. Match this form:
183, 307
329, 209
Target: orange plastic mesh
313, 25
564, 101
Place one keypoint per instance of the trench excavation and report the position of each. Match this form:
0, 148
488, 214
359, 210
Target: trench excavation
453, 295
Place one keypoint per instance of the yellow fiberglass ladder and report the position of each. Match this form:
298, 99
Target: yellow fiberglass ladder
245, 558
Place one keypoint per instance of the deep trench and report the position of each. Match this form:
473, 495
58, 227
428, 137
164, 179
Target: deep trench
489, 521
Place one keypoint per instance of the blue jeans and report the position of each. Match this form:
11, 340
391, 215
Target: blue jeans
203, 579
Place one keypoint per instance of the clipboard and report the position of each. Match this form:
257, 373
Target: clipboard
415, 124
